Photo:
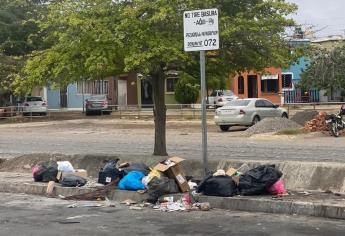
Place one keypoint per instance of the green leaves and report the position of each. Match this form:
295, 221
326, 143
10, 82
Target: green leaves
326, 70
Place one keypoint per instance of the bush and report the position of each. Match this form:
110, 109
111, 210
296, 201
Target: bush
186, 91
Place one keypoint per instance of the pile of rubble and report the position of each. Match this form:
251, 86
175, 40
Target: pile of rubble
270, 125
318, 124
304, 116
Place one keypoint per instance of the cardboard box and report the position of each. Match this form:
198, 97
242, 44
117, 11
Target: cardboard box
171, 167
78, 172
231, 171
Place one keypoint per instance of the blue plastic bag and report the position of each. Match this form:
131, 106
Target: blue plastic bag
132, 181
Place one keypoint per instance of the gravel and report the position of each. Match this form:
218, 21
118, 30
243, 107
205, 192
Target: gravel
303, 116
269, 125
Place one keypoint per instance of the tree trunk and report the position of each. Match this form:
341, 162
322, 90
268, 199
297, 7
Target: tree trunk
159, 112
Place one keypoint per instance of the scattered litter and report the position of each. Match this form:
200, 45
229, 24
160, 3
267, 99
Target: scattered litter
135, 208
72, 206
92, 205
128, 202
68, 222
80, 216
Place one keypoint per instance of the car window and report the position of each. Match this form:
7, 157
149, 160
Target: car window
34, 99
228, 93
98, 97
259, 103
238, 103
267, 103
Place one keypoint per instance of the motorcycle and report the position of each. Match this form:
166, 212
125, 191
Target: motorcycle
336, 122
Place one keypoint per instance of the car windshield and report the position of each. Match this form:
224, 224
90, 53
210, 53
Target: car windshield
226, 93
98, 97
34, 99
238, 103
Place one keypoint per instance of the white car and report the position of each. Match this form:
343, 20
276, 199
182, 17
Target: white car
246, 112
34, 105
219, 98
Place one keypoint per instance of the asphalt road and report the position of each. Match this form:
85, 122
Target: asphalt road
33, 215
136, 137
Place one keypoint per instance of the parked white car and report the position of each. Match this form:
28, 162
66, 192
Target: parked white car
219, 98
246, 112
34, 105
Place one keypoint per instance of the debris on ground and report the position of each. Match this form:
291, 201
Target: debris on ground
318, 124
270, 125
304, 116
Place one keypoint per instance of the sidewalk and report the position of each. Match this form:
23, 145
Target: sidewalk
306, 203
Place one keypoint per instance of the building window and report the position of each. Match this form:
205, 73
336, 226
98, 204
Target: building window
170, 84
240, 85
287, 81
93, 87
269, 84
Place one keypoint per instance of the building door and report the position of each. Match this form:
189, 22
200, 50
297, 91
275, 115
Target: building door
122, 92
252, 86
146, 93
63, 97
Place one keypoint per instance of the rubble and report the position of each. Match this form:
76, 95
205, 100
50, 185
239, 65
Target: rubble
304, 116
318, 124
269, 125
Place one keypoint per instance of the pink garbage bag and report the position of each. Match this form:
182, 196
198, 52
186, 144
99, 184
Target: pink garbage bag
277, 188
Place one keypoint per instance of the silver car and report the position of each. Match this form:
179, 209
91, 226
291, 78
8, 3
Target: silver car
246, 112
97, 104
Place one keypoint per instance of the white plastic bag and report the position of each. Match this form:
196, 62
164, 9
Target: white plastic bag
65, 166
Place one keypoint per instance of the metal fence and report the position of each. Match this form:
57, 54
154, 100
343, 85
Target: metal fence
299, 96
183, 111
174, 111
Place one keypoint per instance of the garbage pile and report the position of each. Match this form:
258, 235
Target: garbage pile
164, 178
318, 124
265, 179
161, 182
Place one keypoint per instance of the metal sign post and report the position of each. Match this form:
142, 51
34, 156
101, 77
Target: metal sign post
201, 34
203, 107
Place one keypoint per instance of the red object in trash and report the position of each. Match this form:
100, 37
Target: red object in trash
277, 188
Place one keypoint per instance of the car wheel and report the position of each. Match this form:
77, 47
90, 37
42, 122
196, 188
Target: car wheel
224, 128
106, 112
256, 120
284, 115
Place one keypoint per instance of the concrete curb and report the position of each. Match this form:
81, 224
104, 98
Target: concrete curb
250, 204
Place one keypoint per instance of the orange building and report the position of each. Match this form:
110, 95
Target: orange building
265, 84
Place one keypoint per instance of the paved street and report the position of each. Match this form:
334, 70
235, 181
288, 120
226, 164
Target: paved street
116, 136
33, 215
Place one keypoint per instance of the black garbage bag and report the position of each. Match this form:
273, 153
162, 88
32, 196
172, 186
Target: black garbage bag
158, 187
73, 181
46, 172
220, 186
137, 167
109, 173
257, 180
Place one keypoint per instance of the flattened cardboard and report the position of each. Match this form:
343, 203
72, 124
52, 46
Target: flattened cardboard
231, 171
78, 172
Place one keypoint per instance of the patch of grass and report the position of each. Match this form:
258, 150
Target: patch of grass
292, 132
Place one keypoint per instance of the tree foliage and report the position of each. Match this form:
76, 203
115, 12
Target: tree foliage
187, 89
96, 38
326, 71
19, 36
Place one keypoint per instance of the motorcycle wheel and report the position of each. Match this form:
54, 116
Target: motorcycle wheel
334, 129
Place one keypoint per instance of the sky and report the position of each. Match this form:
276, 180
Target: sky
321, 14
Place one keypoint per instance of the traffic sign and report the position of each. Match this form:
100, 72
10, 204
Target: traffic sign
201, 30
